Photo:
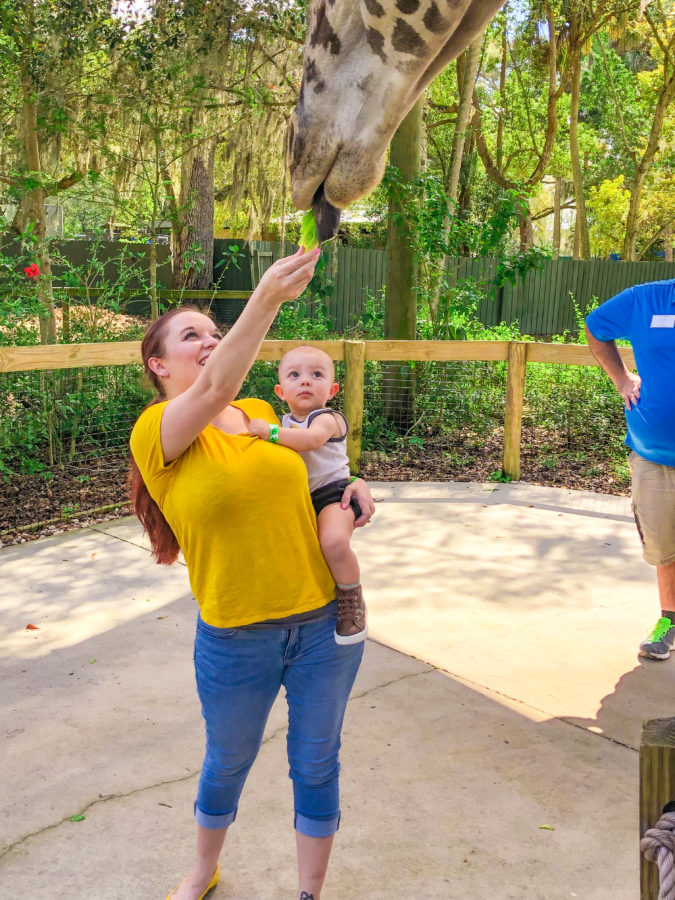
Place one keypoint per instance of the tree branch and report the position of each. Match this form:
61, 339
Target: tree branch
68, 181
658, 234
551, 209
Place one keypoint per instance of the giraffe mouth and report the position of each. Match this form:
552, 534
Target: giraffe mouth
326, 216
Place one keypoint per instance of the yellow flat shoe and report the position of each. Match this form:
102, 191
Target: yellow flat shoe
209, 887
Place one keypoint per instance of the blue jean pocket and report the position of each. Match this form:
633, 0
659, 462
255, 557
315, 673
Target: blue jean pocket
222, 634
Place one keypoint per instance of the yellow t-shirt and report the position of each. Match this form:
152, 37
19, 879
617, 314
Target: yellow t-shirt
241, 512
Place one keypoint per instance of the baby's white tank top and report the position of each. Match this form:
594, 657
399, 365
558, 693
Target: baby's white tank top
329, 462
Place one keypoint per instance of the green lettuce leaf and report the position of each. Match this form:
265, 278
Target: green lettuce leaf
308, 236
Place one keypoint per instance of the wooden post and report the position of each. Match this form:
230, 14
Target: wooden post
355, 356
657, 787
513, 414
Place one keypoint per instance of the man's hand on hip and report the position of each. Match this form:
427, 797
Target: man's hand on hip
629, 388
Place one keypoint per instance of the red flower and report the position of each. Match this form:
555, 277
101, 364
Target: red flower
32, 271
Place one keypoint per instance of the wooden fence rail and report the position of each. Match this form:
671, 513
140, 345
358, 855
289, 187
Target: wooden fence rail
518, 355
162, 293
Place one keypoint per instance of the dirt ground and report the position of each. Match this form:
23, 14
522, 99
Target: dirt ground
545, 460
31, 506
92, 492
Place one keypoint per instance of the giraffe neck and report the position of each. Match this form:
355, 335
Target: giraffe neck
400, 33
405, 33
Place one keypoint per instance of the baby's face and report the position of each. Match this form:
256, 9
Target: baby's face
306, 380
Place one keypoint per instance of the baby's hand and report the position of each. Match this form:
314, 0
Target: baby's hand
260, 428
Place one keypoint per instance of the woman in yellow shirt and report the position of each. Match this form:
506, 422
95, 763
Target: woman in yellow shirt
240, 511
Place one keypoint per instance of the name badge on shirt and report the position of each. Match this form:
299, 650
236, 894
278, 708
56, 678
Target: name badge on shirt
663, 322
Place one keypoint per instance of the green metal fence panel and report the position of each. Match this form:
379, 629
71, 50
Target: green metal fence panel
541, 303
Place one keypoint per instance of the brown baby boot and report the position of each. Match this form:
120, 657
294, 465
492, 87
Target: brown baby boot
351, 624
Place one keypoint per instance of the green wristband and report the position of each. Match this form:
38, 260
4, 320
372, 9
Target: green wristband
353, 478
274, 434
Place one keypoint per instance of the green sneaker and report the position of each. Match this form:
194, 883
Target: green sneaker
659, 642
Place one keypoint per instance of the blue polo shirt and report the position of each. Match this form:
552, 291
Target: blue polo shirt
645, 315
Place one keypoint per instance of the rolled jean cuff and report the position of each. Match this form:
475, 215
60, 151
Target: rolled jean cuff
207, 820
317, 828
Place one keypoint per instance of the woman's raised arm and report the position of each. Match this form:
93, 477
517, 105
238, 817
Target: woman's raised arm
218, 381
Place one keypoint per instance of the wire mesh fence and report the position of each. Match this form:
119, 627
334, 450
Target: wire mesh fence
573, 428
64, 434
433, 420
431, 404
63, 441
444, 420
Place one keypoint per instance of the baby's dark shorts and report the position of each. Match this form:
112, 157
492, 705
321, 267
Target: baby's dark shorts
332, 493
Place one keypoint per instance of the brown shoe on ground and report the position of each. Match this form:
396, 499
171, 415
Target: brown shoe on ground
351, 624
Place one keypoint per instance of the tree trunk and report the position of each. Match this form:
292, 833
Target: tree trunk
284, 192
668, 243
642, 166
152, 272
557, 200
467, 69
525, 227
33, 209
465, 197
400, 317
252, 224
502, 99
577, 176
193, 254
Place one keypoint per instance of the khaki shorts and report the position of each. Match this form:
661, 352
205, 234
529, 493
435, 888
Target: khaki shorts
653, 489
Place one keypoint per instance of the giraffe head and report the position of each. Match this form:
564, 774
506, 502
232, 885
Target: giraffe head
365, 64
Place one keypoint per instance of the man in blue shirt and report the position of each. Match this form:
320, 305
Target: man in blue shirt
645, 315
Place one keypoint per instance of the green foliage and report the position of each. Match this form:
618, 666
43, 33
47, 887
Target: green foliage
607, 206
18, 295
94, 293
439, 231
370, 324
294, 322
578, 404
498, 475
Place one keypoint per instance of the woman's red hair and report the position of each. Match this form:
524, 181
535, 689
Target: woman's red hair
163, 541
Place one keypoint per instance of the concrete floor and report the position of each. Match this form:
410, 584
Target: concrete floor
500, 692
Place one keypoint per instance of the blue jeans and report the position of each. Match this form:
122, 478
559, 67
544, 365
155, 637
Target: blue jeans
239, 672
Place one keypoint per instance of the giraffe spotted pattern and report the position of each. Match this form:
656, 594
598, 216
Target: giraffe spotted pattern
312, 74
376, 43
374, 8
324, 34
434, 21
407, 7
406, 40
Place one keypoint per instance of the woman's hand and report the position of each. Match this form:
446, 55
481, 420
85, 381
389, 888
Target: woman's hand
287, 278
361, 491
259, 428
